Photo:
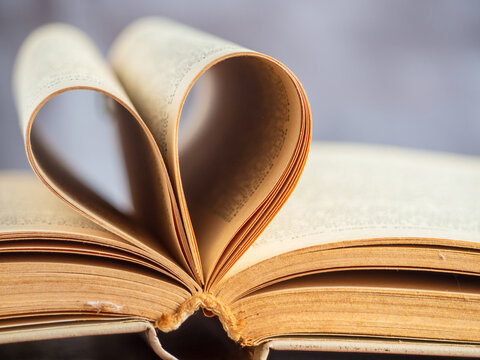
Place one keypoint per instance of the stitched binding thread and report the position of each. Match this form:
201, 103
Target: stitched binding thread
208, 302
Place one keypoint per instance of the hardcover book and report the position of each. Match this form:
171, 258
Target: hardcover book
377, 248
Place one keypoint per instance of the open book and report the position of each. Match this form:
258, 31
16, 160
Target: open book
375, 243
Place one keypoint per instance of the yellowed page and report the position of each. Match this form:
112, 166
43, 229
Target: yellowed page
245, 154
57, 58
386, 304
27, 207
375, 195
34, 220
62, 284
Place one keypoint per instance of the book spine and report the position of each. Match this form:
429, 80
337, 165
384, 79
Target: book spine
209, 304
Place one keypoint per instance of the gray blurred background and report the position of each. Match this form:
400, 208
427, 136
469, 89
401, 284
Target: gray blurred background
389, 72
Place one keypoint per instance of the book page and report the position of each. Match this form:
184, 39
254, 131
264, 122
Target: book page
27, 207
250, 129
57, 58
59, 284
33, 220
368, 304
156, 61
355, 192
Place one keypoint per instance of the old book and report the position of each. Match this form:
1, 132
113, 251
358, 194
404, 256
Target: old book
378, 244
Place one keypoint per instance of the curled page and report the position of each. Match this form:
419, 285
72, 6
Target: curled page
248, 142
57, 58
199, 205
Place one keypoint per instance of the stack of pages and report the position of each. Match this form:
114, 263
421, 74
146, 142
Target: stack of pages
377, 249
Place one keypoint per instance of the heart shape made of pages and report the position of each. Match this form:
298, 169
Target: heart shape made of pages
203, 204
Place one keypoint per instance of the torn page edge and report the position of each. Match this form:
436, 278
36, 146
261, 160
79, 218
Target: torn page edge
207, 301
104, 306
